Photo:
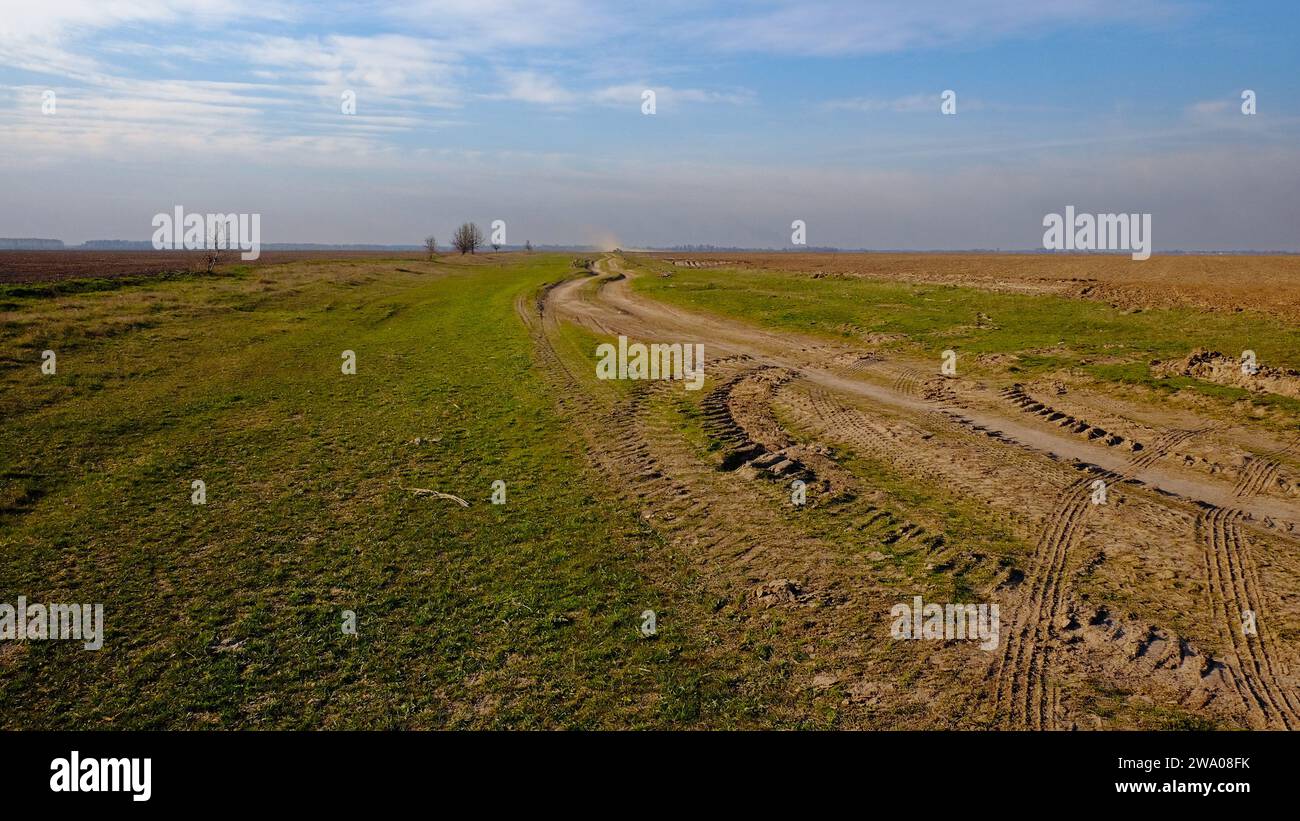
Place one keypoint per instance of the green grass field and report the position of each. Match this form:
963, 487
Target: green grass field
230, 614
1046, 333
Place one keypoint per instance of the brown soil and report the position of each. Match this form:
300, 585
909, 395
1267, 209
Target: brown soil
1122, 614
1212, 366
1269, 284
46, 266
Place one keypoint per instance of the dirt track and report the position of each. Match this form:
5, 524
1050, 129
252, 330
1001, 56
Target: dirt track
1137, 602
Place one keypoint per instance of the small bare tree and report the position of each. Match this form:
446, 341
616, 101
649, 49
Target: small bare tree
431, 246
212, 256
468, 238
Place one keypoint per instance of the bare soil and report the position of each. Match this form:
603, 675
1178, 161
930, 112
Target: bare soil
1228, 283
1127, 613
47, 266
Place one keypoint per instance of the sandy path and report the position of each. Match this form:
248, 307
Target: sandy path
901, 410
614, 308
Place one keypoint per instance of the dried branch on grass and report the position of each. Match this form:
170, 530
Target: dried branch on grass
424, 491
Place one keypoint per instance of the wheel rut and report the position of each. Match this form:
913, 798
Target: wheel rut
1234, 593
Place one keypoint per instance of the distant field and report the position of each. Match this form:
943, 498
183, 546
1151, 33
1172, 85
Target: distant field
47, 266
1015, 316
1269, 284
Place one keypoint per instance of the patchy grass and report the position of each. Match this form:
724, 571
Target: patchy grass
1046, 333
229, 614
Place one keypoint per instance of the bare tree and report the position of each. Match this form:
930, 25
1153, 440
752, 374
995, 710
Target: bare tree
431, 246
468, 238
212, 257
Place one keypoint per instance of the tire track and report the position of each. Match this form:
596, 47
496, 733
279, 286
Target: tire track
645, 455
1162, 446
744, 446
1233, 590
1023, 694
817, 410
629, 458
1021, 691
908, 382
1017, 396
1260, 472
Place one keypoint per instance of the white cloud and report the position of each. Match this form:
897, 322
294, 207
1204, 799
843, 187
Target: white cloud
531, 87
39, 36
389, 67
541, 89
629, 94
911, 104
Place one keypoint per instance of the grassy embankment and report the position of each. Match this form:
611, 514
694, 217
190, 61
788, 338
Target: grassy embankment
230, 614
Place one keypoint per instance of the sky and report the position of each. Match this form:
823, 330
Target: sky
765, 112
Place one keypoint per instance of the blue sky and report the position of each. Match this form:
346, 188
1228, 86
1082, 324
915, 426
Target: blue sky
766, 112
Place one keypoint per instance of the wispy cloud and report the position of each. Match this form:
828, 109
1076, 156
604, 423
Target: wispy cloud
825, 28
542, 89
766, 111
910, 104
533, 87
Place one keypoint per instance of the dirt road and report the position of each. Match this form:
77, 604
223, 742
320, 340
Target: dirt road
1158, 581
